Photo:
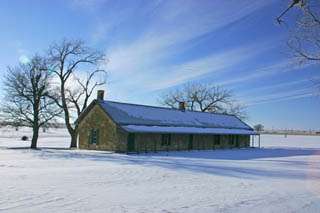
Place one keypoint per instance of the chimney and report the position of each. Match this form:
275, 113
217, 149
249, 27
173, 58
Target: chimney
100, 95
182, 106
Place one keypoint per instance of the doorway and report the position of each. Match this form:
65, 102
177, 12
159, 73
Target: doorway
190, 143
131, 142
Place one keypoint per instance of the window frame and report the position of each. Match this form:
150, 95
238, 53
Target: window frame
94, 136
165, 139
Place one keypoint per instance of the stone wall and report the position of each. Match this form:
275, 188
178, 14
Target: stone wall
110, 136
148, 142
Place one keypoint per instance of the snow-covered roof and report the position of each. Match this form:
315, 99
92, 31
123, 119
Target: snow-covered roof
142, 118
190, 130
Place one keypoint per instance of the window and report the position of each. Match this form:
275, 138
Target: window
166, 140
231, 140
217, 140
94, 136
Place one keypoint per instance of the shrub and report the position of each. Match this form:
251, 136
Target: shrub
24, 138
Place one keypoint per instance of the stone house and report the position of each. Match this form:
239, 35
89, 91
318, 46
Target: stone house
124, 127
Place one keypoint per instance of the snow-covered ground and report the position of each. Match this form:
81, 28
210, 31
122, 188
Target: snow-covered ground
283, 176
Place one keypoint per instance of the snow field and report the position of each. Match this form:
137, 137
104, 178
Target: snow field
283, 176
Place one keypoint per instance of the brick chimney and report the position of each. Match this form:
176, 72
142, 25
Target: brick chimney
182, 106
100, 95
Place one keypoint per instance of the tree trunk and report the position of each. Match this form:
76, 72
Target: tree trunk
35, 125
74, 137
35, 137
73, 143
72, 131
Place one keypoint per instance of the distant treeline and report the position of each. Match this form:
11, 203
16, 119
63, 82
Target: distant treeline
291, 132
14, 124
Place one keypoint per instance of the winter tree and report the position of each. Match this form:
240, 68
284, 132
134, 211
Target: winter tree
76, 68
304, 40
27, 96
204, 98
258, 127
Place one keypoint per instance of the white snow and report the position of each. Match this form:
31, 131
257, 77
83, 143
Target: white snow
283, 176
193, 130
52, 138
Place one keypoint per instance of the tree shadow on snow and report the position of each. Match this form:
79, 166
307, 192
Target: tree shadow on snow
242, 154
240, 163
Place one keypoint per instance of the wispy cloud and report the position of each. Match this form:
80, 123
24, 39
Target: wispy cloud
164, 77
87, 4
276, 68
272, 88
215, 64
282, 96
170, 27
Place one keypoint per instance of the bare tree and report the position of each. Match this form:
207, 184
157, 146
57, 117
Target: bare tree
67, 59
258, 127
27, 101
304, 41
204, 98
79, 94
293, 3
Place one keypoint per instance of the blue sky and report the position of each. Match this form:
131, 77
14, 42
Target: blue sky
154, 46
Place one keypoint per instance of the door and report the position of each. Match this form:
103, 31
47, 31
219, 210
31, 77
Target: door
131, 143
237, 141
190, 143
